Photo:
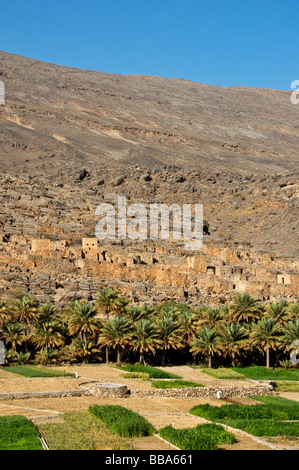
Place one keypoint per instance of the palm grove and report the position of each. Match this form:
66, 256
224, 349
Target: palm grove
111, 328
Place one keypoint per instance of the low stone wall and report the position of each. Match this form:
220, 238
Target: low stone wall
108, 390
205, 392
24, 395
121, 391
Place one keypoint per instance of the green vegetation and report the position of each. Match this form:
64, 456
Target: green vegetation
231, 412
275, 400
287, 386
153, 372
276, 417
240, 333
18, 433
223, 373
135, 375
81, 431
202, 437
262, 373
266, 427
174, 384
35, 371
122, 421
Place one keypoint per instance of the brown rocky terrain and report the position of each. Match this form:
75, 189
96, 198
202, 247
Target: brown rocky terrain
72, 139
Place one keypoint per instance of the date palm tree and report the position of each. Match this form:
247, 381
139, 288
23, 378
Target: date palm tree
188, 325
293, 311
169, 332
24, 310
145, 339
134, 313
206, 342
245, 309
46, 356
169, 307
5, 313
266, 335
279, 311
47, 312
232, 339
17, 358
290, 336
108, 301
14, 334
83, 322
85, 350
210, 317
47, 334
116, 333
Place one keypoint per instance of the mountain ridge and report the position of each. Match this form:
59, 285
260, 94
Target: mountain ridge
92, 118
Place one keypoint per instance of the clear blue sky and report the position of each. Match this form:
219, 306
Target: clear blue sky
219, 42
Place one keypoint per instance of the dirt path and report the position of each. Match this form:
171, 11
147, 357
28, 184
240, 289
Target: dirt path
290, 395
197, 375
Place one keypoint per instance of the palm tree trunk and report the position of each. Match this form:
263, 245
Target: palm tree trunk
233, 360
107, 355
118, 354
163, 357
268, 357
210, 361
142, 358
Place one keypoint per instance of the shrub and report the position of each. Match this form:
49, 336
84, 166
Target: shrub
202, 437
152, 371
124, 422
18, 433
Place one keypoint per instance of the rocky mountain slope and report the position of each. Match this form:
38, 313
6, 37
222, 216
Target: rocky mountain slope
72, 139
57, 117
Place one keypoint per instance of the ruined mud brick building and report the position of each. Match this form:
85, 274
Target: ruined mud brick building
48, 249
58, 271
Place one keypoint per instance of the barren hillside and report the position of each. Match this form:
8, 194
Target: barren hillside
57, 117
71, 139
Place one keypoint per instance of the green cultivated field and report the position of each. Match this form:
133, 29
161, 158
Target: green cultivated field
122, 421
80, 430
174, 384
154, 373
202, 437
35, 371
18, 433
262, 373
277, 416
223, 373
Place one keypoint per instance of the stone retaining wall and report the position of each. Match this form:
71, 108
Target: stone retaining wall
24, 395
205, 392
121, 391
109, 390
